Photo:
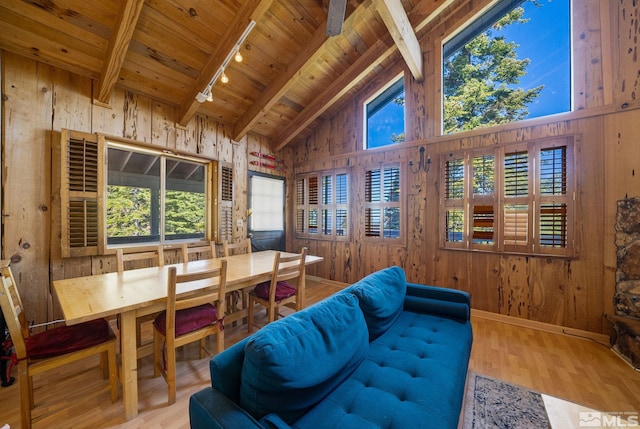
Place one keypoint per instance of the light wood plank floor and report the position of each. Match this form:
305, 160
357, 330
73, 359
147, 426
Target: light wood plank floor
570, 368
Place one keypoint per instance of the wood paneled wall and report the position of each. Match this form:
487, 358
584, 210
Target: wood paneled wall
40, 100
576, 293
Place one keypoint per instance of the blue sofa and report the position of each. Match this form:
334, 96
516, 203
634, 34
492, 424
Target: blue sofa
379, 354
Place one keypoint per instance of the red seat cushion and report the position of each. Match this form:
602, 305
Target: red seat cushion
67, 339
283, 290
189, 319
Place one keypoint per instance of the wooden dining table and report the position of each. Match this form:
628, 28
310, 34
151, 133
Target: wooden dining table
135, 293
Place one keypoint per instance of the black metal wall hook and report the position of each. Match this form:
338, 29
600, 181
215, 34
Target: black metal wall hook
422, 163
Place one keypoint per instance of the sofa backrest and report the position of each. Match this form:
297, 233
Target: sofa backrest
293, 363
381, 298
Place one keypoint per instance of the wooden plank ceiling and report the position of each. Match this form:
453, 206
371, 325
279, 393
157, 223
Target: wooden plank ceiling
292, 74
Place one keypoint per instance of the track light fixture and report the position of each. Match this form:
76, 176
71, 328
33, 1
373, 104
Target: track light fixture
206, 93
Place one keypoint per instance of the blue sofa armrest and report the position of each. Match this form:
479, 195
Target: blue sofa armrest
210, 409
443, 301
225, 369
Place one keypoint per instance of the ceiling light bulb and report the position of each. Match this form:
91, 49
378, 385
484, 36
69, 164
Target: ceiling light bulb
238, 57
210, 96
224, 78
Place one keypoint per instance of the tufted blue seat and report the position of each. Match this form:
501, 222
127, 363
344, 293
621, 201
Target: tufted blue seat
405, 373
380, 354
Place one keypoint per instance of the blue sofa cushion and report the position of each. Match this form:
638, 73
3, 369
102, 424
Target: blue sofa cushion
292, 363
412, 377
381, 296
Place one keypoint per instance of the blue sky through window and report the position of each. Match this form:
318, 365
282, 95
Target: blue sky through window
545, 39
387, 121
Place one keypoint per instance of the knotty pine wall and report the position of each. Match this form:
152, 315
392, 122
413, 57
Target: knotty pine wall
39, 101
575, 293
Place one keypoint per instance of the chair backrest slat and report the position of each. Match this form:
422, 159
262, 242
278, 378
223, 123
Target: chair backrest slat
243, 246
154, 255
13, 311
199, 248
216, 278
287, 268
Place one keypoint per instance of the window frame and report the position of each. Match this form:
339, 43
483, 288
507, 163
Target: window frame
472, 29
372, 99
530, 242
163, 157
81, 158
325, 206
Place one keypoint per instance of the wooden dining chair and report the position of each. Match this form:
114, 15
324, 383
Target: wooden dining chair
152, 256
228, 249
208, 248
148, 256
243, 246
55, 347
279, 291
187, 319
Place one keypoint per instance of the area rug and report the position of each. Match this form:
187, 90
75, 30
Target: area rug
495, 404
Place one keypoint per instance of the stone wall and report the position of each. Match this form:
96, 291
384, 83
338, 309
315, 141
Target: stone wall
627, 296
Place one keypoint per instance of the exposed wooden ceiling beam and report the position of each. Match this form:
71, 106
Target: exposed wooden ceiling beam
313, 51
356, 72
424, 13
395, 18
270, 96
251, 10
118, 47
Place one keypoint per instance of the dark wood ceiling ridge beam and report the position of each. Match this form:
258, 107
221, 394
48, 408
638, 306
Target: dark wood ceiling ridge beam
359, 70
117, 50
250, 10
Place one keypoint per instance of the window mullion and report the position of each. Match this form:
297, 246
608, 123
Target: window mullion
163, 187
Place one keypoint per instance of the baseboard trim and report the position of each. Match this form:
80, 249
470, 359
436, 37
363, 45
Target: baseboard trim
542, 326
603, 339
327, 281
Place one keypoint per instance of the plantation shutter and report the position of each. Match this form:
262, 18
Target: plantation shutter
225, 224
342, 191
555, 195
314, 191
327, 203
81, 156
321, 200
516, 218
483, 212
453, 226
300, 205
382, 203
372, 196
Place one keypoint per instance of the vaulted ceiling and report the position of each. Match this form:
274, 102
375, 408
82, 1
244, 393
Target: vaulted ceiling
292, 74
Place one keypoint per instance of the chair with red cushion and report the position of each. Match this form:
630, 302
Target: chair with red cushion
35, 354
190, 317
280, 291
